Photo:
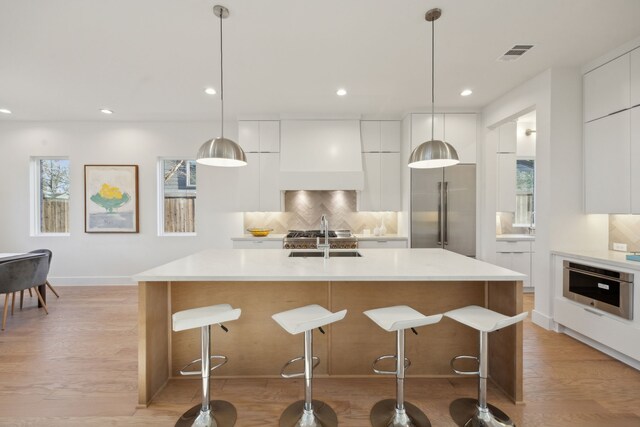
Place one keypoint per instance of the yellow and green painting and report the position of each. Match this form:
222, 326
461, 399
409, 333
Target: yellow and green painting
111, 199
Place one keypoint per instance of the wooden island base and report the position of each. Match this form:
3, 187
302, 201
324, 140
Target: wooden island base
258, 347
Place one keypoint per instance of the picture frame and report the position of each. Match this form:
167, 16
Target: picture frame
111, 199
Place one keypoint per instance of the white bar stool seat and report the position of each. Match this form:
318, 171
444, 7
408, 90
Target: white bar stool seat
211, 413
389, 412
307, 412
484, 321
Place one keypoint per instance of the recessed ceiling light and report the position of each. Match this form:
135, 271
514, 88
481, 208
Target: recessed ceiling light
341, 92
210, 91
5, 111
106, 111
466, 92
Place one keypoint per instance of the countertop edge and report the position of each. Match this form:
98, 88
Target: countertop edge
605, 257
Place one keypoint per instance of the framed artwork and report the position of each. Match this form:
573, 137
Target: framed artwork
111, 198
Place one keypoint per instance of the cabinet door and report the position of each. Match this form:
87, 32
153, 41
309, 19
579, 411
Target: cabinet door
460, 131
506, 195
370, 135
269, 136
247, 191
635, 159
370, 195
421, 128
257, 244
607, 172
503, 259
249, 135
390, 136
521, 262
606, 89
390, 182
382, 244
635, 78
270, 195
508, 137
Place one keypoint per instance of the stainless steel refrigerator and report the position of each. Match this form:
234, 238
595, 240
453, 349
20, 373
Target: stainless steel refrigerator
443, 208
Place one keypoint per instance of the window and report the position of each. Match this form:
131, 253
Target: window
177, 196
51, 184
525, 191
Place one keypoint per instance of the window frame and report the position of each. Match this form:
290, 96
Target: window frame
160, 191
36, 191
535, 166
188, 174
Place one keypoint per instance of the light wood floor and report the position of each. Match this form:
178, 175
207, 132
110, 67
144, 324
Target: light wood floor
77, 367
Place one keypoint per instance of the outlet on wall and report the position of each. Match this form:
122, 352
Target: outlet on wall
620, 247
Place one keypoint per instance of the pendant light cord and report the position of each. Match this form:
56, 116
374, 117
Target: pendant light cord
433, 76
221, 79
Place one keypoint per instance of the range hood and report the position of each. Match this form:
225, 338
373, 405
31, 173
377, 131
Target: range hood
320, 155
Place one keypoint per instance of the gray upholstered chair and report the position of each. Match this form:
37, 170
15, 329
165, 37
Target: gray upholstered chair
20, 274
49, 256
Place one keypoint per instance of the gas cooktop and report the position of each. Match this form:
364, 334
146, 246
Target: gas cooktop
307, 239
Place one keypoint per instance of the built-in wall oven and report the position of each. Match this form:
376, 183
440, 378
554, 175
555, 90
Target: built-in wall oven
604, 289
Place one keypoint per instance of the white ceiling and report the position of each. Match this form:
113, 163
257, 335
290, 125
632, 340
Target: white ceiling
151, 59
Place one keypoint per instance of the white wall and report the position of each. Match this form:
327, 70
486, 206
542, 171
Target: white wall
556, 95
526, 144
109, 258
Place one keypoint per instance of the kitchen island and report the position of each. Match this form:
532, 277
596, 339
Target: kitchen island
265, 282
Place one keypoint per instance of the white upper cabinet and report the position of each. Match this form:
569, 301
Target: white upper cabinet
380, 136
606, 89
270, 195
259, 136
381, 182
508, 137
607, 165
635, 159
390, 136
247, 189
506, 183
460, 130
635, 77
421, 128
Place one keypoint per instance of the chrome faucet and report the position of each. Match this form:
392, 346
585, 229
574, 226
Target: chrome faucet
324, 228
532, 226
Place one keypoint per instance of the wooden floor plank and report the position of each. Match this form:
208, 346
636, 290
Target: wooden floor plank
78, 367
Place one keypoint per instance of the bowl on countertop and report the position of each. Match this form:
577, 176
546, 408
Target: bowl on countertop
259, 232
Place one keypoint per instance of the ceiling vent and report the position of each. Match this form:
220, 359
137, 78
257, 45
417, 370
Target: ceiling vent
515, 52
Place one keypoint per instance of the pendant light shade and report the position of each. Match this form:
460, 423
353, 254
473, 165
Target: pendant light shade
221, 151
433, 153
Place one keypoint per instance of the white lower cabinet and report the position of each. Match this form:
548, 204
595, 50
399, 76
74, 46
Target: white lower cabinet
257, 244
382, 244
516, 256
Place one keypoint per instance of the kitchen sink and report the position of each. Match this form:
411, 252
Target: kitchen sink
320, 254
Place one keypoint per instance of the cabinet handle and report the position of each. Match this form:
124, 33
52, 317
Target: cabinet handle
593, 312
260, 241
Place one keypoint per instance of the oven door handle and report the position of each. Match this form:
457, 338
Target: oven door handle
600, 276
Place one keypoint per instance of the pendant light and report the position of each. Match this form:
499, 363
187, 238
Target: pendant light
433, 153
221, 151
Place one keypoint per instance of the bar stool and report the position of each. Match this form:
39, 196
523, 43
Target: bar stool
485, 321
398, 413
307, 413
211, 413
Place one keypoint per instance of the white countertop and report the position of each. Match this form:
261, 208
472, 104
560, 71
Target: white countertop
250, 237
604, 256
384, 237
374, 265
515, 237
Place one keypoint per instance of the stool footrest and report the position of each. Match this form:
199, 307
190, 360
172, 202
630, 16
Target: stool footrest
283, 374
407, 363
452, 363
184, 371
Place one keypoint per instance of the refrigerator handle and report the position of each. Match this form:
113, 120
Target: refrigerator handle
446, 212
439, 213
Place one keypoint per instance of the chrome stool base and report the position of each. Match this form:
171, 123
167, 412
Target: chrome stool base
222, 414
466, 413
385, 414
296, 416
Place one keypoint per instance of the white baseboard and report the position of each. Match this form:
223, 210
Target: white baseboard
601, 347
92, 281
542, 320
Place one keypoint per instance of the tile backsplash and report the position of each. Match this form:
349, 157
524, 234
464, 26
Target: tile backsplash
625, 229
303, 210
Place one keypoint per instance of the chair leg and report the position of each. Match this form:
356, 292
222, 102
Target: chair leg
4, 313
13, 301
52, 290
30, 293
41, 300
21, 299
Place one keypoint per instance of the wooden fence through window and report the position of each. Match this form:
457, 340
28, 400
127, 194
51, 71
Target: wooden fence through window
179, 214
54, 216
